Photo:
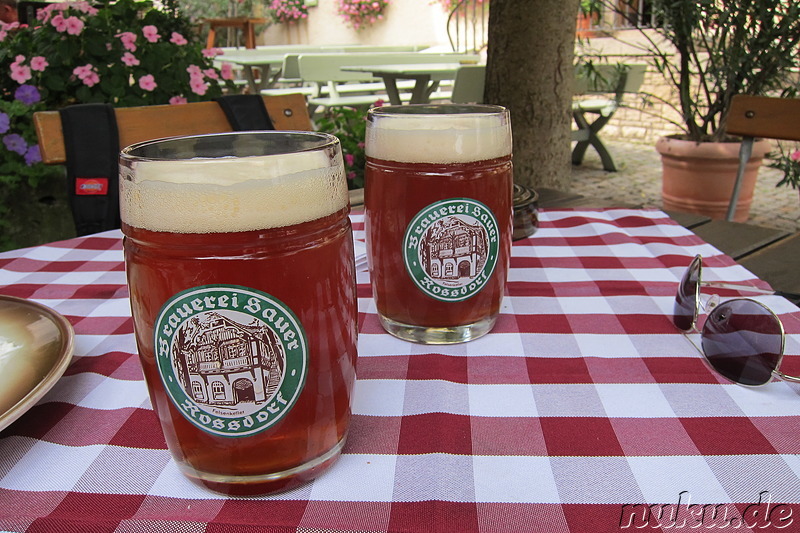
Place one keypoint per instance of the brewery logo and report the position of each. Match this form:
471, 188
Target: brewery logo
232, 359
451, 248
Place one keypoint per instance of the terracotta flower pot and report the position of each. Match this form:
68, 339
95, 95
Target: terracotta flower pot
699, 177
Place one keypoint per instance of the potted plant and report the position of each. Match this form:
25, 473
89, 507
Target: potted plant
588, 15
708, 51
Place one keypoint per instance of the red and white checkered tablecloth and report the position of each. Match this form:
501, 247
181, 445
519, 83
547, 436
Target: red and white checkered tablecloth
584, 410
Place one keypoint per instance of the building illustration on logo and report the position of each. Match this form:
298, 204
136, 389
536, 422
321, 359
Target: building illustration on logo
223, 363
454, 249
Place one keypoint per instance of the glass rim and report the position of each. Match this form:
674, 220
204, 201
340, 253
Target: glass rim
417, 110
133, 152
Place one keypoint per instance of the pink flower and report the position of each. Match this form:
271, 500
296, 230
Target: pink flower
349, 159
198, 86
59, 23
378, 103
87, 74
147, 82
43, 15
150, 33
39, 63
178, 100
795, 156
227, 71
91, 79
74, 25
211, 74
129, 59
212, 52
83, 71
20, 73
178, 39
194, 71
128, 40
84, 7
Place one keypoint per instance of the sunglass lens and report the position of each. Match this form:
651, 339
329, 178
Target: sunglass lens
684, 311
743, 341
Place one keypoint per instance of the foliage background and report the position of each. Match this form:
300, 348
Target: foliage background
127, 53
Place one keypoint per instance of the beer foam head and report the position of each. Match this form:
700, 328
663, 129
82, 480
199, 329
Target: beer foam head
164, 189
438, 133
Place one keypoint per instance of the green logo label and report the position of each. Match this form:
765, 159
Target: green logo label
451, 247
232, 359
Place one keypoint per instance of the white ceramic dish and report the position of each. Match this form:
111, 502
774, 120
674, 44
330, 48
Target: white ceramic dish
36, 345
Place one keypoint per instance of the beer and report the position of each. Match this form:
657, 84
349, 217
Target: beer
438, 219
242, 288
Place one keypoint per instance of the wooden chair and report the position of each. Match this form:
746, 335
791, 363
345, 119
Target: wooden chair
137, 124
245, 24
754, 117
609, 79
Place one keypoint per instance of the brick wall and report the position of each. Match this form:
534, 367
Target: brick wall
644, 119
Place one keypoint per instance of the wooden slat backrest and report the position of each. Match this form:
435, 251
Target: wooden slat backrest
137, 124
610, 78
469, 84
762, 116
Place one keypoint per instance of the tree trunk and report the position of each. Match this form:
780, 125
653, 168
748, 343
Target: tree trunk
530, 71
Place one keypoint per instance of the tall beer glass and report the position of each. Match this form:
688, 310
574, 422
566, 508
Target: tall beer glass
239, 258
438, 218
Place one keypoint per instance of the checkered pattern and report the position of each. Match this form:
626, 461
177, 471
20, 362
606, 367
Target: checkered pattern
584, 410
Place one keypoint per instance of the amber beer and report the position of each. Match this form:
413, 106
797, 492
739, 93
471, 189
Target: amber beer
239, 259
438, 218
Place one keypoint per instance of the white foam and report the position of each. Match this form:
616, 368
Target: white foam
446, 138
231, 194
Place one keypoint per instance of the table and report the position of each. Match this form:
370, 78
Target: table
772, 254
425, 75
268, 63
580, 411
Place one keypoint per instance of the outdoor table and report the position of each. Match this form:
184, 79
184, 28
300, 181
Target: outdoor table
425, 75
269, 64
584, 410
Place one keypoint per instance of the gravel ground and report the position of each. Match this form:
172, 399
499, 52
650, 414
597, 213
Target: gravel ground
638, 181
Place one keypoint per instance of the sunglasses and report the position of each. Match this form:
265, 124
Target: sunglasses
742, 339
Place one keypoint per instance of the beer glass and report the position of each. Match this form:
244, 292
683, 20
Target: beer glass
239, 258
438, 217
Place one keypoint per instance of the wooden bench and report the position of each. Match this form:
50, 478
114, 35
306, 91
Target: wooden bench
615, 80
359, 88
136, 124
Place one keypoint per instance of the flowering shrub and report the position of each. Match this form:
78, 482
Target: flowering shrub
787, 159
125, 53
288, 10
360, 13
350, 126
